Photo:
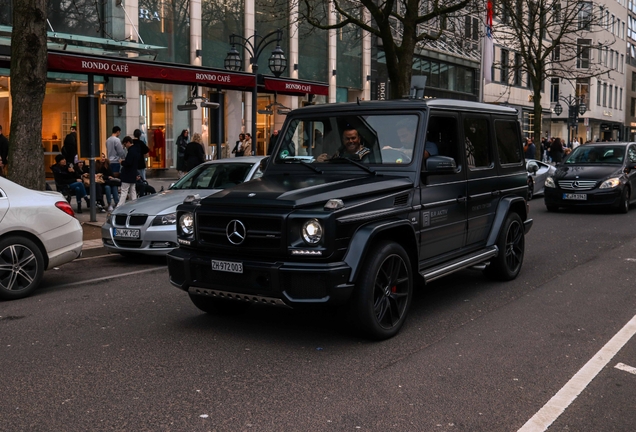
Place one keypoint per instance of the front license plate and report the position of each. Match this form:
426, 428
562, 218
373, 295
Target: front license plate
579, 197
227, 266
126, 233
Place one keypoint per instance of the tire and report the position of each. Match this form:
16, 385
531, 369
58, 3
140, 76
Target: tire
384, 292
511, 243
21, 267
552, 209
530, 188
218, 306
623, 206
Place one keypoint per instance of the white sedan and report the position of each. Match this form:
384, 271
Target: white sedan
38, 231
537, 173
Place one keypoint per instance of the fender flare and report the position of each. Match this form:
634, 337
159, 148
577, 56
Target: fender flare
503, 209
363, 238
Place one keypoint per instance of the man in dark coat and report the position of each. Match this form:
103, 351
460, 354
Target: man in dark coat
129, 168
143, 151
69, 149
66, 178
4, 154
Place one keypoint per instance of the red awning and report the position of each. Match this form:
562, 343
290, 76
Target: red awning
148, 71
295, 87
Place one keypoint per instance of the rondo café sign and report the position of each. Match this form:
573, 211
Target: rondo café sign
145, 71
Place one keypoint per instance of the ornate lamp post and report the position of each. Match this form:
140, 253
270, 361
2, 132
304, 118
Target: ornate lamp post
255, 45
576, 106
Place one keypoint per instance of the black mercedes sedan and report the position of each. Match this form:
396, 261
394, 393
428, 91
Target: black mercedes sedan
596, 174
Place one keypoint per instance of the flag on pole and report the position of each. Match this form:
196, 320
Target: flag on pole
487, 55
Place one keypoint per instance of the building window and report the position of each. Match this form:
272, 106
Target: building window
604, 94
517, 69
609, 105
504, 65
632, 108
598, 93
620, 101
585, 15
583, 54
616, 97
554, 90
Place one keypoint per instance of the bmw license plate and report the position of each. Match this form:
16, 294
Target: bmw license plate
227, 266
126, 233
579, 197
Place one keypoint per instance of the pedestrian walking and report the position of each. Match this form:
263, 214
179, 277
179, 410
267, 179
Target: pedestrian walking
115, 151
143, 151
69, 148
129, 171
194, 154
182, 143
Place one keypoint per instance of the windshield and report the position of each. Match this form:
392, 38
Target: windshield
214, 176
369, 139
591, 154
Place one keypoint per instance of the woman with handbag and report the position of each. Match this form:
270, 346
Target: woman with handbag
111, 184
84, 170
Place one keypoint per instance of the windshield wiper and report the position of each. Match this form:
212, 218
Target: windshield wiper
302, 162
356, 163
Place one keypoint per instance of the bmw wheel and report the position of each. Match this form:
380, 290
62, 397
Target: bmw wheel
384, 292
21, 267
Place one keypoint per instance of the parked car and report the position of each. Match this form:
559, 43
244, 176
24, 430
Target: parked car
537, 173
147, 225
599, 174
38, 231
359, 205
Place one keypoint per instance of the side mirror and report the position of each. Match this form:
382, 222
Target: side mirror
533, 168
440, 165
264, 163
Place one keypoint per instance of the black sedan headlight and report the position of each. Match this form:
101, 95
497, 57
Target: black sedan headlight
167, 219
312, 232
186, 224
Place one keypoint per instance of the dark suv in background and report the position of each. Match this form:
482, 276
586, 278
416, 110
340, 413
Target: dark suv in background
359, 204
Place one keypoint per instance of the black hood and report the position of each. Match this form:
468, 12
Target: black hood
587, 172
296, 191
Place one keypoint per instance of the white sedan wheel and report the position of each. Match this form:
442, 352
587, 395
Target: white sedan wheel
21, 267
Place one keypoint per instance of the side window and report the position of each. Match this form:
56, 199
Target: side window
508, 142
632, 153
441, 137
477, 142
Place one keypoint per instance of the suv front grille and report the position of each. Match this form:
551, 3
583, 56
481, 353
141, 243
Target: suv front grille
577, 184
262, 232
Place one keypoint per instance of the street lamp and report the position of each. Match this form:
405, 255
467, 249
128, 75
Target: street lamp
255, 45
576, 106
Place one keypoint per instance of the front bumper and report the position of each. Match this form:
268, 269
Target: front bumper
595, 197
292, 283
153, 240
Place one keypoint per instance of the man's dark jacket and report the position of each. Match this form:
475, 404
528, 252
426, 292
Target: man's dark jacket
62, 175
69, 149
130, 165
4, 149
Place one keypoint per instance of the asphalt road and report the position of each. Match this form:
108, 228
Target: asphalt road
108, 344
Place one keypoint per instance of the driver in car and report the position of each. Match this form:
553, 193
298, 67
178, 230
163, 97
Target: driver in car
352, 146
406, 135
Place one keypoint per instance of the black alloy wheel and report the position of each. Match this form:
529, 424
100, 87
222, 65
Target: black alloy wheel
530, 188
623, 206
21, 267
385, 291
511, 243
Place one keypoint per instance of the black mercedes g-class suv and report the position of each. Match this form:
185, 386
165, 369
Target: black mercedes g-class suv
358, 204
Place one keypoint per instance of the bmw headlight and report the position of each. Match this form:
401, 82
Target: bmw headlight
186, 223
610, 183
312, 231
167, 219
549, 182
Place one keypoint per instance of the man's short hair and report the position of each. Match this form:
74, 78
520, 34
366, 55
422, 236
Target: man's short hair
73, 128
59, 158
137, 133
126, 139
116, 129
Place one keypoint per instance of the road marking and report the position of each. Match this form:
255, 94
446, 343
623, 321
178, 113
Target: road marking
107, 278
542, 420
624, 367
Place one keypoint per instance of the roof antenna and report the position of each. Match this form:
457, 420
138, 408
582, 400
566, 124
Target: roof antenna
418, 84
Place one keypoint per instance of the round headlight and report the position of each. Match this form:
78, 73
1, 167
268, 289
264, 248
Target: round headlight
312, 231
186, 223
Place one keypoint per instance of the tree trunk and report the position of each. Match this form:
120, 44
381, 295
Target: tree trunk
538, 118
28, 87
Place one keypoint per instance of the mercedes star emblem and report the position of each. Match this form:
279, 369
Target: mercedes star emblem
235, 232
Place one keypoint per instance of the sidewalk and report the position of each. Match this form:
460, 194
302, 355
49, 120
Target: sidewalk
92, 229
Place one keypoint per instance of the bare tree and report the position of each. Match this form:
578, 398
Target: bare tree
28, 86
553, 39
402, 26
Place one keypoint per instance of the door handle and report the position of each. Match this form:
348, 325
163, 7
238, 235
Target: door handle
496, 193
462, 199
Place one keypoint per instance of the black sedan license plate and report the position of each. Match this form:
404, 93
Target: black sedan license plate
227, 266
126, 233
579, 197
